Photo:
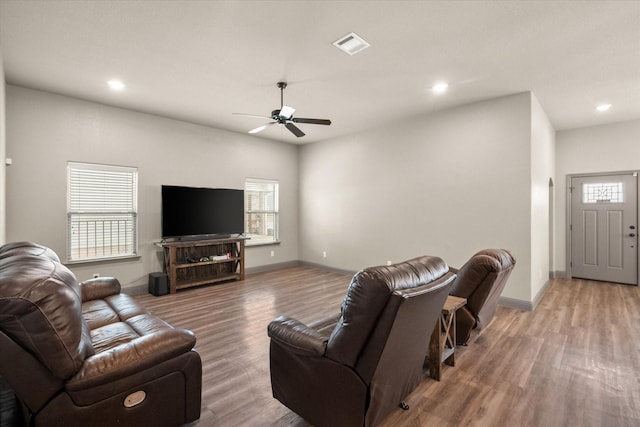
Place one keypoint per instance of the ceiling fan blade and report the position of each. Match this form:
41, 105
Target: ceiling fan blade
294, 129
251, 115
261, 128
311, 121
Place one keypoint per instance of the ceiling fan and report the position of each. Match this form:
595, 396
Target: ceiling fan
284, 116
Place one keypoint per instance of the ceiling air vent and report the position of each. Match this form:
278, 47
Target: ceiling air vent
351, 44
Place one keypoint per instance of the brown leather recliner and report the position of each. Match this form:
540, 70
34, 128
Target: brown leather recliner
481, 281
87, 355
354, 368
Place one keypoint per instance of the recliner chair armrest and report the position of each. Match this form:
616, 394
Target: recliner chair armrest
326, 326
99, 288
136, 355
297, 336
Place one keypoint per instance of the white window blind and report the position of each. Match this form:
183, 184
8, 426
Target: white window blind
102, 211
261, 211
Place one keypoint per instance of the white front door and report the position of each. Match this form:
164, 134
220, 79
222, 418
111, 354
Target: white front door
604, 228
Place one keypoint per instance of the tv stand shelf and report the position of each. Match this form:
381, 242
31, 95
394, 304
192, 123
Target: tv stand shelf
185, 270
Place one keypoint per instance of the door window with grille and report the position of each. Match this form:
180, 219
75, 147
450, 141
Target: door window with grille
261, 211
102, 211
603, 192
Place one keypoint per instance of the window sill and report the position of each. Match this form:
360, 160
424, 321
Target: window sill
105, 259
253, 245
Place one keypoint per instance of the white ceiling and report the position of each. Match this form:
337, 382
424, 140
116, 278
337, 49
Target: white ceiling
200, 61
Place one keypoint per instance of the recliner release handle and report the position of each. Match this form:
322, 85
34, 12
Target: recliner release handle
134, 399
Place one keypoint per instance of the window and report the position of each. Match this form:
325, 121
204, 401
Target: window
608, 192
261, 211
102, 211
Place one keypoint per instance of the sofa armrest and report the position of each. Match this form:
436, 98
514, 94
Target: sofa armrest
136, 355
99, 288
297, 336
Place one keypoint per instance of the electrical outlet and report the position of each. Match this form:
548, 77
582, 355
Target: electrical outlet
273, 253
324, 254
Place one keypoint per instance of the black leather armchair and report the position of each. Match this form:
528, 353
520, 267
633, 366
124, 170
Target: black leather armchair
353, 368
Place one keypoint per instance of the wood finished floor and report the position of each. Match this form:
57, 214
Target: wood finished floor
574, 361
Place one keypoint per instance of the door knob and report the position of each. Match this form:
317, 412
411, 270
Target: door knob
632, 234
633, 227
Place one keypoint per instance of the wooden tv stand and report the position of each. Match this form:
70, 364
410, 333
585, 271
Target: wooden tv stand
185, 270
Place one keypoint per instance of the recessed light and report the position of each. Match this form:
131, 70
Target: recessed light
440, 87
603, 107
116, 85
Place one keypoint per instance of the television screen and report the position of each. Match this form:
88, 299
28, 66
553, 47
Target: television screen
190, 211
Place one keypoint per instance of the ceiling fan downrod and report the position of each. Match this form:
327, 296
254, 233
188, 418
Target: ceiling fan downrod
282, 86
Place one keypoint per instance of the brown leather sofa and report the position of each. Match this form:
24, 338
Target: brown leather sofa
86, 354
354, 368
481, 281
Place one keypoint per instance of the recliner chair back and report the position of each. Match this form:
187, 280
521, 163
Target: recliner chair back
42, 299
399, 369
481, 281
29, 248
370, 306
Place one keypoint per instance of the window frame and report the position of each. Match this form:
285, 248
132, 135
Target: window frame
102, 212
262, 239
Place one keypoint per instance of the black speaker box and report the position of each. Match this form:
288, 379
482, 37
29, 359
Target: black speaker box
158, 284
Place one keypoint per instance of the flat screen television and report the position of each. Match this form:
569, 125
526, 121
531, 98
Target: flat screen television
191, 212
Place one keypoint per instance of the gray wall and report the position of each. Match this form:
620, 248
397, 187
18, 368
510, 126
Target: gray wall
45, 130
446, 184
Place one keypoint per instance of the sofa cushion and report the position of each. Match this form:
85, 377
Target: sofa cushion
116, 308
118, 319
112, 335
145, 324
125, 306
98, 313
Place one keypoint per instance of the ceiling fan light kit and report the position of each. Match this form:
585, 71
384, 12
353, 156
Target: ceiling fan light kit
284, 116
